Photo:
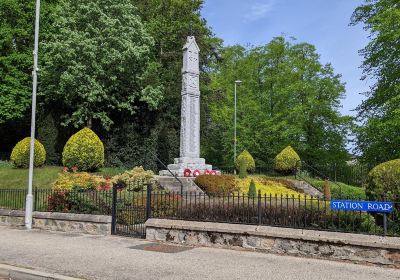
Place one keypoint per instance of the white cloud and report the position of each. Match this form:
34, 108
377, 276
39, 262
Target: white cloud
259, 10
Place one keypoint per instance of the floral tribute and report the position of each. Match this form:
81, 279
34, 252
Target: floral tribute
188, 173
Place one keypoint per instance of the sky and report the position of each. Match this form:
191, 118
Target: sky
323, 23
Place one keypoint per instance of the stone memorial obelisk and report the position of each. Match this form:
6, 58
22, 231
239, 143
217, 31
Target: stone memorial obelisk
190, 115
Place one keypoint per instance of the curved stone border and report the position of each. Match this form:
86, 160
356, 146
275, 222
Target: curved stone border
328, 245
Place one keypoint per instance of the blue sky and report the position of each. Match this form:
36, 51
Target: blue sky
323, 23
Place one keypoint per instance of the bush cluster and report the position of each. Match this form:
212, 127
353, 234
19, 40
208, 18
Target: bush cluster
248, 158
84, 150
135, 179
20, 154
81, 181
216, 185
384, 179
287, 161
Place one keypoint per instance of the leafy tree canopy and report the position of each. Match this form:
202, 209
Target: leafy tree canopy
96, 62
287, 98
16, 45
378, 136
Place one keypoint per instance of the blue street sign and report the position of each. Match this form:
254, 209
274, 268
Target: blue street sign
368, 206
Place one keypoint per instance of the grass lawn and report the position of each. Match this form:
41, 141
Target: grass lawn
267, 186
13, 178
340, 189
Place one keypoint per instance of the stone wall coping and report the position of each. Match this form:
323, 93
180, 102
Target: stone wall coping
280, 232
59, 216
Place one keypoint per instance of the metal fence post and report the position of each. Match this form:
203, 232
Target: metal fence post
148, 201
114, 210
259, 207
35, 199
384, 218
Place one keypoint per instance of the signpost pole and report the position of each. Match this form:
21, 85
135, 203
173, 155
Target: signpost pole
29, 197
384, 218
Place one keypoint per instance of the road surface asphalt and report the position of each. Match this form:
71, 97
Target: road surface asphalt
112, 257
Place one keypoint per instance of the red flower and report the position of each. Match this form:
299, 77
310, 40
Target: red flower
74, 168
65, 169
196, 173
187, 172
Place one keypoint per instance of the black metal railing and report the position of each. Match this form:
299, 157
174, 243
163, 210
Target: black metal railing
47, 200
352, 174
133, 207
166, 168
300, 211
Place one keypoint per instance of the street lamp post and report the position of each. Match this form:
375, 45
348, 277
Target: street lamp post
237, 82
29, 197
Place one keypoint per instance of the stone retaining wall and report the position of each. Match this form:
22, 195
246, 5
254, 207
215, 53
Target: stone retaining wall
319, 244
72, 223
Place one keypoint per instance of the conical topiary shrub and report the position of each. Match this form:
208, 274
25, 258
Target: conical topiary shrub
252, 189
287, 161
20, 154
248, 158
84, 150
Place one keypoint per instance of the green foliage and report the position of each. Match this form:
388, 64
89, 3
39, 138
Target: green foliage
252, 189
20, 154
248, 161
292, 97
68, 181
287, 161
339, 190
133, 145
96, 62
216, 185
242, 168
16, 42
384, 179
378, 138
134, 179
47, 134
84, 150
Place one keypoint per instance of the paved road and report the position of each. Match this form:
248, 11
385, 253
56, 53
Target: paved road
94, 257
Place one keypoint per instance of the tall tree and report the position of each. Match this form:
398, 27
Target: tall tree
16, 45
378, 136
287, 98
97, 62
169, 22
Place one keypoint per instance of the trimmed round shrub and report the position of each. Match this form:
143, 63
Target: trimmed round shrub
248, 158
84, 150
287, 161
20, 154
384, 179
